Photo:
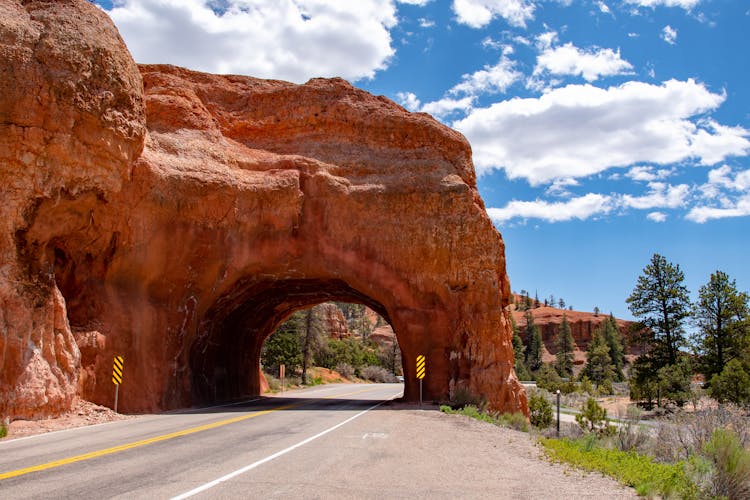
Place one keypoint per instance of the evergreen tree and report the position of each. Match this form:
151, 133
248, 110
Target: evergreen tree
721, 314
282, 347
518, 354
611, 334
598, 362
311, 336
660, 300
534, 348
561, 303
564, 361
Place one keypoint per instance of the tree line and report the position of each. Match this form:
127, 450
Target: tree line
717, 347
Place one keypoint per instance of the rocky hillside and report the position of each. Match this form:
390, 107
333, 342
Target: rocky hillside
582, 326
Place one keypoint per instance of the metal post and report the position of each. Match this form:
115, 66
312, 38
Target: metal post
420, 392
558, 413
117, 392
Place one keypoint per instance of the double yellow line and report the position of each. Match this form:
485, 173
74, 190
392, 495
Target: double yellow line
157, 439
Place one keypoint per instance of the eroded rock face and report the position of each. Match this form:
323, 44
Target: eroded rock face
183, 247
334, 322
72, 120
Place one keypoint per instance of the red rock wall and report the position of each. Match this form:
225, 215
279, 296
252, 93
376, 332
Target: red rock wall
183, 247
582, 327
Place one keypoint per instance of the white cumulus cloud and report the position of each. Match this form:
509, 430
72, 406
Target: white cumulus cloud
660, 196
590, 64
479, 13
669, 35
285, 39
408, 100
582, 208
491, 79
726, 194
685, 4
657, 216
448, 105
580, 130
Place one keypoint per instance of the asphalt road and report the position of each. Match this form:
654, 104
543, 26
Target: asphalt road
163, 456
335, 441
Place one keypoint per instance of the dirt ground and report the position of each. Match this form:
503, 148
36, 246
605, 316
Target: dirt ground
83, 413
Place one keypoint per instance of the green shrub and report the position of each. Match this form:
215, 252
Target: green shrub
376, 374
731, 464
586, 385
593, 418
515, 421
605, 388
3, 430
732, 384
345, 370
463, 397
540, 411
639, 471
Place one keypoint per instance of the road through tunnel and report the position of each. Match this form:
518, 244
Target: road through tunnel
225, 356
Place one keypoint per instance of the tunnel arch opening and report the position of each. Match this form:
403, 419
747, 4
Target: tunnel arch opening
224, 357
332, 342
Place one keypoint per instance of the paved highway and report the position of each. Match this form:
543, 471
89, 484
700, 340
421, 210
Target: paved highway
168, 455
335, 441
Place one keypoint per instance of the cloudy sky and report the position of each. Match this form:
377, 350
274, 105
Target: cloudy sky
603, 131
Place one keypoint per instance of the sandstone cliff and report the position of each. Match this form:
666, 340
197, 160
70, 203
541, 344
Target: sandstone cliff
582, 327
177, 218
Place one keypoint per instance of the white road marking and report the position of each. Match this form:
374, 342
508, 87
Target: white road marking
253, 465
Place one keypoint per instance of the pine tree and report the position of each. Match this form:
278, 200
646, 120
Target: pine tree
564, 361
611, 334
661, 301
561, 303
311, 337
598, 362
721, 314
534, 348
518, 353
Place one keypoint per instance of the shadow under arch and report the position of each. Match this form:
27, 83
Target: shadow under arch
224, 358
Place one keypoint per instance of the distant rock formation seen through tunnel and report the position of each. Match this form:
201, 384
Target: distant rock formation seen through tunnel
177, 218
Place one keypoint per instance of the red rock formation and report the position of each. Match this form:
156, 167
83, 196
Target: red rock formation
184, 247
334, 322
582, 327
383, 335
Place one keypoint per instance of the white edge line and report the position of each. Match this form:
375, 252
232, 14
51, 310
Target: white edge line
253, 465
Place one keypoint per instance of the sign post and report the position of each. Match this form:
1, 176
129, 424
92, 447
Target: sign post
421, 370
282, 372
558, 413
117, 376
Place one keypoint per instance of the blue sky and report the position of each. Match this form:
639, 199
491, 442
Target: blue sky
603, 131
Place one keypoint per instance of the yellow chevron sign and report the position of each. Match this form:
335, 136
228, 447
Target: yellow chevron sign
117, 370
421, 369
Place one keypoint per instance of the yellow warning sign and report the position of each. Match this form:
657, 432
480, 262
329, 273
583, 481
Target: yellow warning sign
117, 370
420, 366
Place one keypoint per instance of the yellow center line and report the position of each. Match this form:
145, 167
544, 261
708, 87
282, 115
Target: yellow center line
157, 439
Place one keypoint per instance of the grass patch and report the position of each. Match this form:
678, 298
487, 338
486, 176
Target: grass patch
639, 471
513, 420
3, 430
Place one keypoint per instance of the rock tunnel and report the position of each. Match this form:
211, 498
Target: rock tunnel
177, 217
225, 357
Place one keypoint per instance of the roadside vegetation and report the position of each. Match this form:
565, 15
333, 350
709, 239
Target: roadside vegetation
311, 356
686, 431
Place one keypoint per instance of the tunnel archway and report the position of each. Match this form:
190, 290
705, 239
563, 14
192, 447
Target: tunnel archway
225, 356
